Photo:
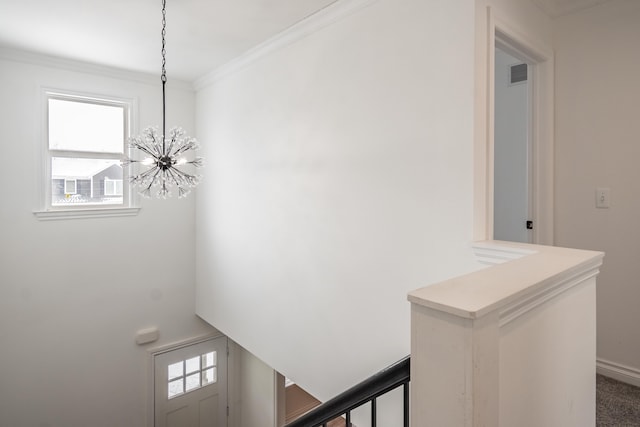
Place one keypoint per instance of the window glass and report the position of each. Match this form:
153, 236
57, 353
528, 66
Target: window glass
81, 125
191, 374
209, 376
85, 181
209, 359
192, 364
175, 388
175, 370
192, 382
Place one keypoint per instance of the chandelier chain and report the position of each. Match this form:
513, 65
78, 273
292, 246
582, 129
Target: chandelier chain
164, 33
164, 75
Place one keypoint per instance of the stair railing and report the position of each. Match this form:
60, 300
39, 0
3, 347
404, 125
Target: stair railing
365, 392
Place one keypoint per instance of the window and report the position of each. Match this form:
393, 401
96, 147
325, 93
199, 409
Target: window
85, 142
112, 187
192, 374
70, 186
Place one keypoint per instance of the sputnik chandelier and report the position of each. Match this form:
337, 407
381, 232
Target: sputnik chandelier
166, 155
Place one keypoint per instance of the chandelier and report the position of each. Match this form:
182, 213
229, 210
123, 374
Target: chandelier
164, 155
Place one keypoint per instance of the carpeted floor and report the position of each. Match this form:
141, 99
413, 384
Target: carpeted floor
617, 403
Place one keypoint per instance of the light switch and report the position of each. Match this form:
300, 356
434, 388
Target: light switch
603, 198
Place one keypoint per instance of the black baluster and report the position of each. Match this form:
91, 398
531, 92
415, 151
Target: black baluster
374, 412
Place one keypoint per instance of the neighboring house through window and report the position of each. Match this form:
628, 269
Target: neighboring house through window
85, 141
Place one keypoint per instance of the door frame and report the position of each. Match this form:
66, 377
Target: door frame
541, 59
153, 352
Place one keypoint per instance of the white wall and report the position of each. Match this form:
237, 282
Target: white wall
340, 177
252, 390
73, 293
598, 145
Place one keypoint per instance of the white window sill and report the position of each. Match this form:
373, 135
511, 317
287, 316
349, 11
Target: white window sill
84, 213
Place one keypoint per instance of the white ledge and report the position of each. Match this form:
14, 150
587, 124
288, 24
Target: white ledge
84, 213
533, 273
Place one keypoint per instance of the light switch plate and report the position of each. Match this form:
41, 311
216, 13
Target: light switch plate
603, 198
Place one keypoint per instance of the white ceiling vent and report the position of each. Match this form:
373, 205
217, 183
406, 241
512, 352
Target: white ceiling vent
517, 73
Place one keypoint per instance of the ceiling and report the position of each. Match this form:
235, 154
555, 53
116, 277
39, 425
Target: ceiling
201, 34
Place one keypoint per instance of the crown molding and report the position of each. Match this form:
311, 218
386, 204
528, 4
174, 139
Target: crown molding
40, 59
558, 8
332, 13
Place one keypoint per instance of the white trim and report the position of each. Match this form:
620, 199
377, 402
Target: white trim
44, 60
85, 213
520, 308
175, 345
618, 371
279, 401
332, 13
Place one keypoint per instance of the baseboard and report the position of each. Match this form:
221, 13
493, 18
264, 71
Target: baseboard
619, 372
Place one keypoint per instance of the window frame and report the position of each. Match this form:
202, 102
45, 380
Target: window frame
49, 211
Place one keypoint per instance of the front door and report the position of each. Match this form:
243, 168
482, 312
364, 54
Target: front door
190, 387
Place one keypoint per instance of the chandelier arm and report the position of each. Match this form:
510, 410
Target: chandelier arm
180, 178
155, 175
154, 146
186, 147
144, 176
173, 141
175, 177
144, 149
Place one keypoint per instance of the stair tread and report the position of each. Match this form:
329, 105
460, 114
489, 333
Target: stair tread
298, 402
